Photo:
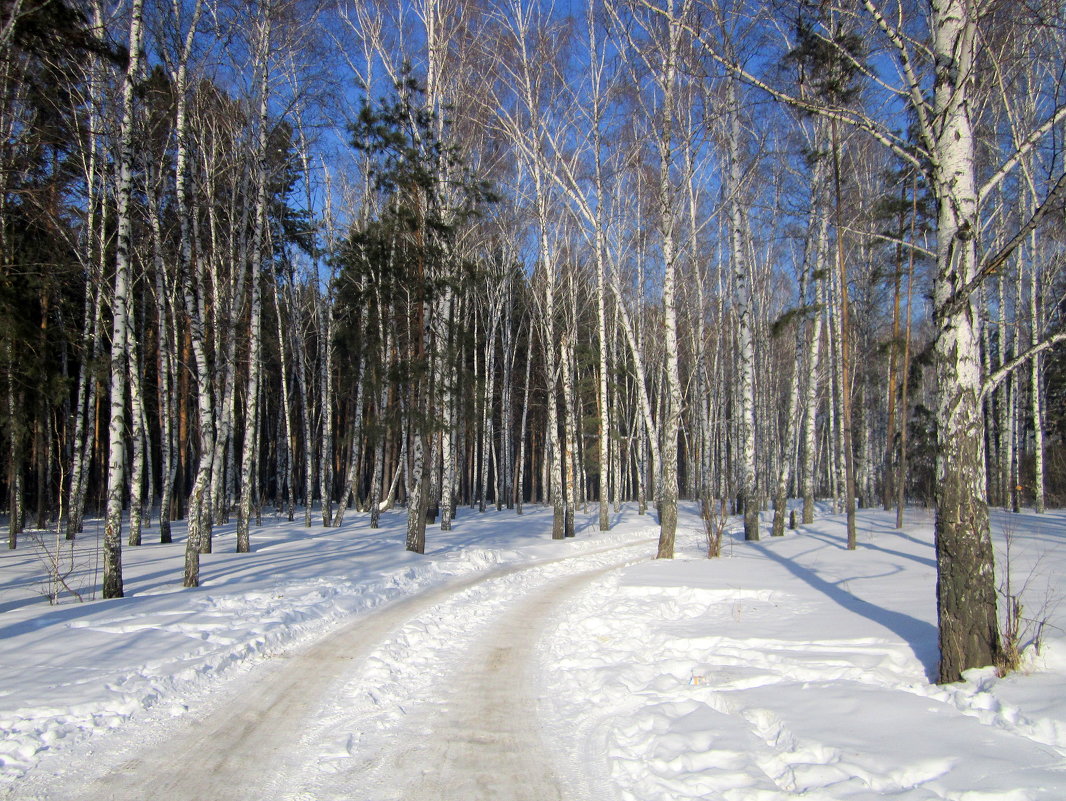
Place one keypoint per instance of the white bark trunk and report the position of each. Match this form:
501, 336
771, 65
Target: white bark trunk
672, 400
739, 251
138, 432
249, 458
116, 463
810, 413
966, 590
1036, 394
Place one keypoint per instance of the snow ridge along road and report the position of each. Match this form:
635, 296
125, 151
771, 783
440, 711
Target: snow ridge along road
425, 698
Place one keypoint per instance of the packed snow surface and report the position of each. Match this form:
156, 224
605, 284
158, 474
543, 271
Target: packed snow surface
505, 665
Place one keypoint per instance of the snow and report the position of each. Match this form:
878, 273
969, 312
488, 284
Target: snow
794, 668
788, 668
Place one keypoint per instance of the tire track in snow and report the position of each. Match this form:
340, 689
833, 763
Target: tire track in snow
445, 707
252, 745
484, 737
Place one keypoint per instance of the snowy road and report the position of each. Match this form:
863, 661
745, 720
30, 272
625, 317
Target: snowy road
332, 664
428, 698
483, 741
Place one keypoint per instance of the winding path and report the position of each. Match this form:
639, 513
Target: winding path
471, 733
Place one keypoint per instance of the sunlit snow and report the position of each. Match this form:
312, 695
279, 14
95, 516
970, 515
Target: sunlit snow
789, 668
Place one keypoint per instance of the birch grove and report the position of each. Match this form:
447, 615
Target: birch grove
437, 259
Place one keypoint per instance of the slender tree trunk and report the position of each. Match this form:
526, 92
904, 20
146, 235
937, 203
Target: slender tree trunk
810, 454
377, 480
789, 435
486, 405
192, 292
85, 406
299, 351
116, 463
139, 435
1004, 403
739, 249
888, 492
350, 494
845, 349
165, 368
553, 449
95, 257
507, 387
251, 416
286, 411
1036, 393
570, 434
904, 401
519, 482
325, 470
16, 510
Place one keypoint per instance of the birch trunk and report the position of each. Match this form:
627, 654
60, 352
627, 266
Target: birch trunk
966, 589
299, 351
165, 367
570, 434
325, 382
510, 352
138, 433
251, 411
192, 292
286, 411
86, 403
416, 498
602, 400
888, 492
420, 405
116, 462
447, 397
1017, 411
739, 249
16, 500
92, 338
519, 488
844, 347
904, 401
377, 479
1036, 394
784, 475
1005, 404
349, 495
810, 448
672, 399
486, 406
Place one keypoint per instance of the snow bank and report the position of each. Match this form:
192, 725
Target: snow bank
794, 668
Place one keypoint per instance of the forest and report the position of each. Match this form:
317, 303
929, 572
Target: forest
328, 257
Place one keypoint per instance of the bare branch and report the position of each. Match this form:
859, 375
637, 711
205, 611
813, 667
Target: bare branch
914, 89
992, 264
995, 378
849, 117
895, 240
1023, 149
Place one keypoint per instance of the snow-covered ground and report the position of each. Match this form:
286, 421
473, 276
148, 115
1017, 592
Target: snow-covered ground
788, 668
794, 668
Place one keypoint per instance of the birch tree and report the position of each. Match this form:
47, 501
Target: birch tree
116, 463
264, 21
941, 101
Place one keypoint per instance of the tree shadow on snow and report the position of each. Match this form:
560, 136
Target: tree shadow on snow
918, 634
835, 542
